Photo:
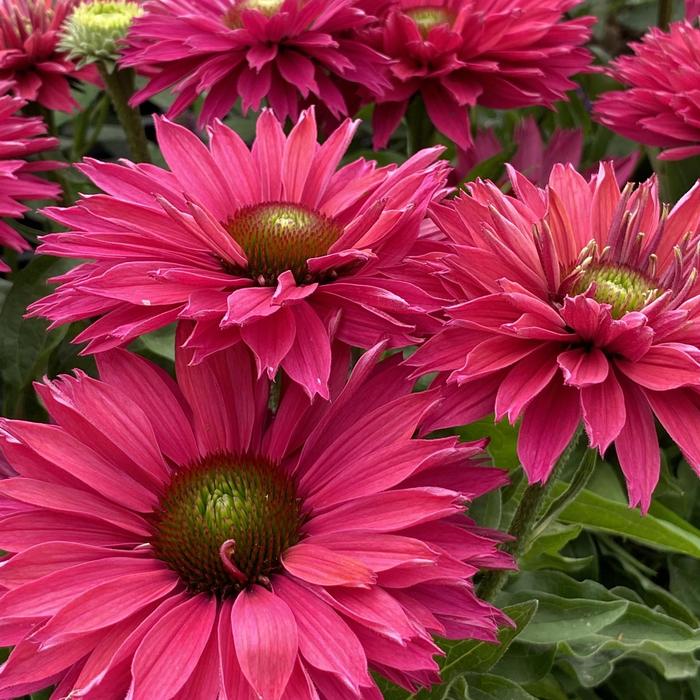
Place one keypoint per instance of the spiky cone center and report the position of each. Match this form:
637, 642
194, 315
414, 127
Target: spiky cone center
224, 522
232, 17
278, 236
624, 289
427, 18
94, 29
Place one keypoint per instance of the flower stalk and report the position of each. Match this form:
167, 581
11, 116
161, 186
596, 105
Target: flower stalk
120, 87
527, 523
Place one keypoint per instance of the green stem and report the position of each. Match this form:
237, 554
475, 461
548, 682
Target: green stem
524, 523
665, 13
421, 130
120, 87
580, 480
57, 175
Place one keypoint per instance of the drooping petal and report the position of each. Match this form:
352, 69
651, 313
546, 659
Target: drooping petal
266, 640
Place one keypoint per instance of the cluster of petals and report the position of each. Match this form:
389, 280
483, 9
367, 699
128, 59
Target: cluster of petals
385, 558
533, 158
577, 303
660, 105
287, 52
29, 54
20, 137
162, 249
498, 53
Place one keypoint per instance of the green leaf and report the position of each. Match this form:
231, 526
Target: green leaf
685, 575
503, 440
660, 529
594, 628
483, 686
158, 345
526, 663
549, 544
25, 344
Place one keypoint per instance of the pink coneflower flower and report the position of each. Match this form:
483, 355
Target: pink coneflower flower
660, 105
455, 53
580, 303
29, 55
184, 543
21, 137
272, 247
533, 158
287, 52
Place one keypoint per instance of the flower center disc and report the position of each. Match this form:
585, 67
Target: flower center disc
232, 17
224, 522
278, 236
426, 18
106, 15
624, 289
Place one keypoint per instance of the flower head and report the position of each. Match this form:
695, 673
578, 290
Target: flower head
230, 552
659, 106
533, 158
579, 303
21, 137
272, 247
94, 31
457, 53
287, 52
30, 56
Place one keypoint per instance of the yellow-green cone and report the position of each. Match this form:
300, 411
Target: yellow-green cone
94, 30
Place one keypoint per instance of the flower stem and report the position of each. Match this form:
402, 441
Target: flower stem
120, 87
420, 129
665, 13
524, 523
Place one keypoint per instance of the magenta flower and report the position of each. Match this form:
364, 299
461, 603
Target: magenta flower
579, 303
457, 53
21, 137
181, 542
660, 105
533, 158
272, 247
288, 52
29, 56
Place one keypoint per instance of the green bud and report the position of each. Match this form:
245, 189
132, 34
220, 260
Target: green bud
94, 30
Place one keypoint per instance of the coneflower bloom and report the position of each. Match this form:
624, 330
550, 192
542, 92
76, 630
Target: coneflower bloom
457, 53
532, 157
579, 304
21, 137
29, 53
273, 247
659, 106
184, 543
286, 52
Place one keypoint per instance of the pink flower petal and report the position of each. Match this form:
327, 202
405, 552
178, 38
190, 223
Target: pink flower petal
322, 566
666, 366
308, 361
325, 641
548, 426
637, 448
604, 415
266, 640
583, 367
171, 650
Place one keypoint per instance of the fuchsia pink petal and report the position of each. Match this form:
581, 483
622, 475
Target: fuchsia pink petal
474, 53
179, 245
108, 591
658, 105
564, 315
266, 639
296, 52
